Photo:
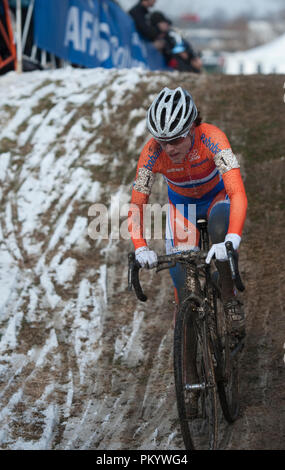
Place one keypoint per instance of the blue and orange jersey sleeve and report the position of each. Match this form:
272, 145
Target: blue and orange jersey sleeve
235, 189
212, 138
148, 165
229, 169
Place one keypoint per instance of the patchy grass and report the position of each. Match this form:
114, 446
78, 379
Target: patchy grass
44, 84
251, 112
45, 104
7, 145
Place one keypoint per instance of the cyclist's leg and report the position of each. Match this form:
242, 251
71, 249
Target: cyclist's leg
218, 223
181, 234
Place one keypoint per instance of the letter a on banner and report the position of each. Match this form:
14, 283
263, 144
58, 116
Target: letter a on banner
8, 49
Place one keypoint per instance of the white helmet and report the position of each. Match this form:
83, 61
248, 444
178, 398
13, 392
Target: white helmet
171, 114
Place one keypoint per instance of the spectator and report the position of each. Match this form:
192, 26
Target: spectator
178, 52
141, 17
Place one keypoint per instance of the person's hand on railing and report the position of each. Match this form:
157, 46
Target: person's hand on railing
146, 257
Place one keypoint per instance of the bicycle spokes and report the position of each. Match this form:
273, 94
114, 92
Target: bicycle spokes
195, 382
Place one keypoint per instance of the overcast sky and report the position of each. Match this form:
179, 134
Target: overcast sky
206, 8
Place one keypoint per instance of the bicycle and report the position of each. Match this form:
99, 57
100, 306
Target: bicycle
205, 358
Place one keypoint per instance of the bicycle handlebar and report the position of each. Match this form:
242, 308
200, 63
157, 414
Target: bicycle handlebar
170, 260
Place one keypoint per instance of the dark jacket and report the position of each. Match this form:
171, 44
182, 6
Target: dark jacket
175, 44
178, 63
140, 16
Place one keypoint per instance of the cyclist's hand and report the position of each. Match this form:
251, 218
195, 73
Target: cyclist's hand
146, 257
219, 249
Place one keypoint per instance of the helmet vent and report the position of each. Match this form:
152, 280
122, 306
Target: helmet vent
155, 108
176, 122
176, 97
187, 105
152, 123
162, 119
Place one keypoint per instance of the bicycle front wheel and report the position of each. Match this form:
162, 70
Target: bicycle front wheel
195, 385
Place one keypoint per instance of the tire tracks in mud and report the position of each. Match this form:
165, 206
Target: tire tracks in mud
84, 365
261, 424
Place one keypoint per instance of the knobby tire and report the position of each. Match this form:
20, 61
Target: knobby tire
200, 432
227, 372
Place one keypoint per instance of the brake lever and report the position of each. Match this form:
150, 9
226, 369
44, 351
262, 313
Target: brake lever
133, 277
233, 260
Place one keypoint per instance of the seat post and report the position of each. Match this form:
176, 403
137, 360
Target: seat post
202, 225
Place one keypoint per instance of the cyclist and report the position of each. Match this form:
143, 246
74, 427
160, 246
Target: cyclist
204, 180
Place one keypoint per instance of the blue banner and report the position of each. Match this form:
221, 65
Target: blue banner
92, 33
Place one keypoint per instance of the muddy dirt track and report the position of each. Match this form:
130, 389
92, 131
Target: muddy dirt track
83, 364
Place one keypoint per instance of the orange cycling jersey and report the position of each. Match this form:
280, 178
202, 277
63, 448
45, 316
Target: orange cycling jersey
209, 168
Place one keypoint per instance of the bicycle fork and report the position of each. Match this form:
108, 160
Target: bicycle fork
209, 381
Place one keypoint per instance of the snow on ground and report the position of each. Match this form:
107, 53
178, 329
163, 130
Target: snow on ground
57, 284
84, 365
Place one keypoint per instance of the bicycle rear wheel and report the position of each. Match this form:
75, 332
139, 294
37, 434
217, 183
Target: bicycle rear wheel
196, 392
227, 369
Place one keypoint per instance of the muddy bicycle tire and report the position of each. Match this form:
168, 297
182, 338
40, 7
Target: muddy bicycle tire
227, 395
200, 432
228, 387
227, 369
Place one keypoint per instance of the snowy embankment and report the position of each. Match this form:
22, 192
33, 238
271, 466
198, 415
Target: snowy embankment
84, 365
76, 368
